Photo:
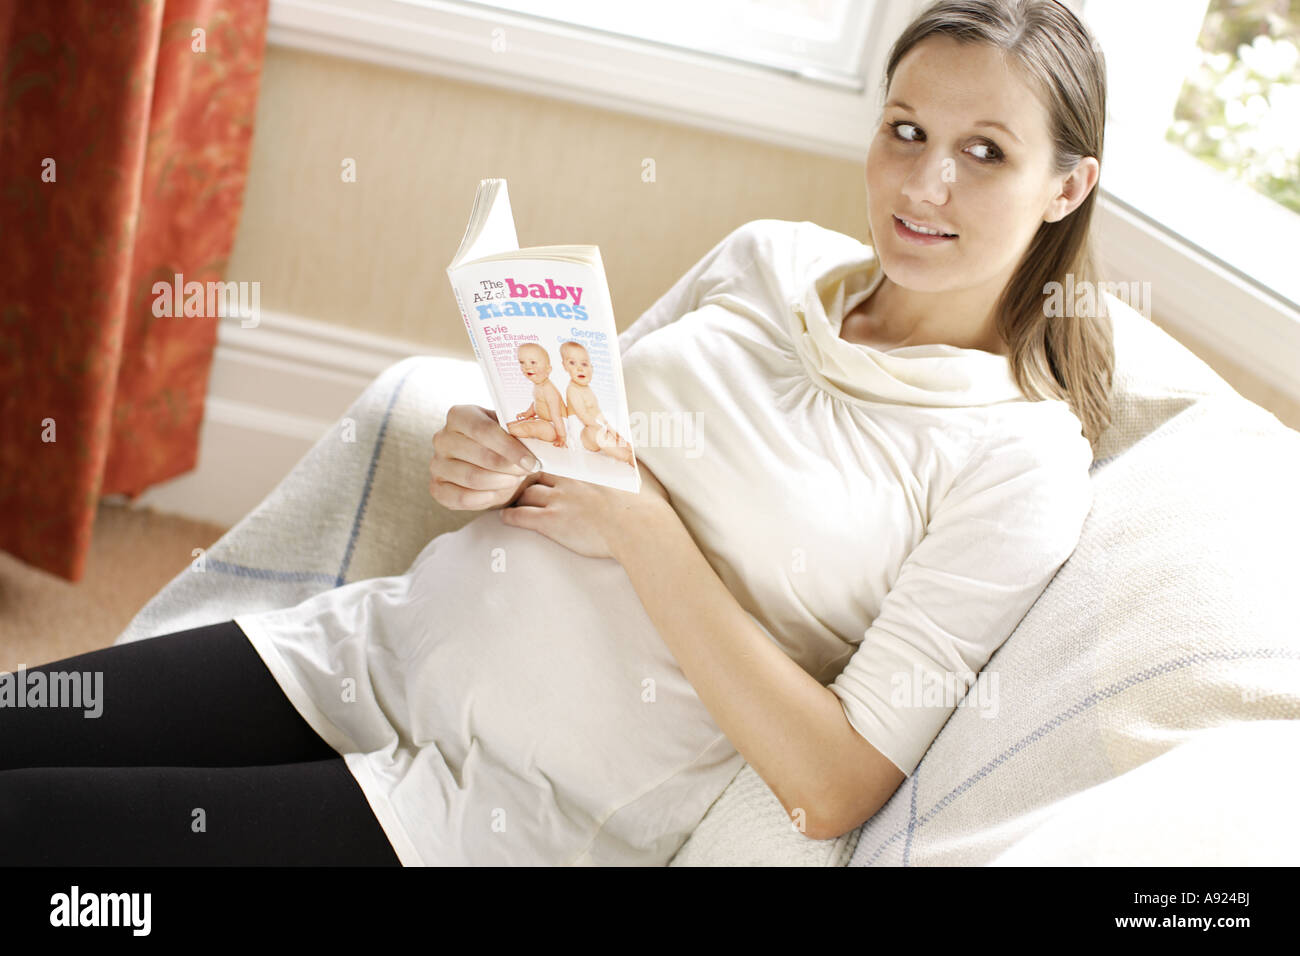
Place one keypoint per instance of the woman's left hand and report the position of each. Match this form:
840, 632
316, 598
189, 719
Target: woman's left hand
585, 517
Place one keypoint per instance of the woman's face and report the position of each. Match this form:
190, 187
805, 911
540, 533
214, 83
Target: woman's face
935, 163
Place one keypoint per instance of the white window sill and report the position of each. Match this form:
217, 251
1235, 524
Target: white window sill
1193, 293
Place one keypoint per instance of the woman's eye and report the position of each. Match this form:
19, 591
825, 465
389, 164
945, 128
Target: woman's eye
991, 155
901, 124
994, 154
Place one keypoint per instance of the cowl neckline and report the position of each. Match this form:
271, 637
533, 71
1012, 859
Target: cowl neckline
932, 375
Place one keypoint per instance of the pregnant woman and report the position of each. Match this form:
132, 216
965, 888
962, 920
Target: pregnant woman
887, 462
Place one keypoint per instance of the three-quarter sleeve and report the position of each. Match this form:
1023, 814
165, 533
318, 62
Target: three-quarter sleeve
1011, 518
686, 294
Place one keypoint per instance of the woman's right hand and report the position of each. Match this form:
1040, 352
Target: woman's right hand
477, 465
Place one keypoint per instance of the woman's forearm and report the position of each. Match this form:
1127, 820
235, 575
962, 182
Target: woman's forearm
789, 727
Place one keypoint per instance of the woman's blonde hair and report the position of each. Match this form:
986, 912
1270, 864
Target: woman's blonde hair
1070, 357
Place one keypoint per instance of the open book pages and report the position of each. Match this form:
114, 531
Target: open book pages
542, 326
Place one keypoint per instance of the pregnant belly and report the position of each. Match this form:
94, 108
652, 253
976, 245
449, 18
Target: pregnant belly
515, 650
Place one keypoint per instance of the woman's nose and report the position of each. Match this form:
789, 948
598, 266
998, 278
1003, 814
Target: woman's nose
929, 178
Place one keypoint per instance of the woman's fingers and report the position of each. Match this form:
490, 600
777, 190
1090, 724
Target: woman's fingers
457, 498
480, 426
477, 464
473, 477
535, 495
455, 446
451, 445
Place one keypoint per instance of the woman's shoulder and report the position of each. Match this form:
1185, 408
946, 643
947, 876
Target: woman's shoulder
1026, 478
786, 256
1037, 448
1045, 432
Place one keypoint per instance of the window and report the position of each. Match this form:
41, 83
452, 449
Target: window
1239, 109
815, 39
1203, 127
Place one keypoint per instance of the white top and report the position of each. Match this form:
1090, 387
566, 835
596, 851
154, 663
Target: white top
887, 517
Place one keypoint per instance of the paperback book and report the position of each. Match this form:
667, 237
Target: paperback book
542, 326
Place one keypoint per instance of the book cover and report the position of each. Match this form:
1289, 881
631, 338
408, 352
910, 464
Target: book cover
542, 326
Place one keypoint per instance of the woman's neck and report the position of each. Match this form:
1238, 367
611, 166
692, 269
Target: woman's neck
893, 318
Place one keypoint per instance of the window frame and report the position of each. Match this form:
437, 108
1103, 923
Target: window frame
753, 43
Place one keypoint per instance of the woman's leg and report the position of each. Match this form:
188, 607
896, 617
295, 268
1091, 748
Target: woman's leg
310, 814
196, 698
195, 757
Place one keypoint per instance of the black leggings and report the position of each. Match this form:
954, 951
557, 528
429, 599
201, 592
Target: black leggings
197, 758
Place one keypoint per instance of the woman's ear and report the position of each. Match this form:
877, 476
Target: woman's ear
1074, 189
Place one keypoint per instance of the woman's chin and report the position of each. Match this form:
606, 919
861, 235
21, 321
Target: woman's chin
916, 277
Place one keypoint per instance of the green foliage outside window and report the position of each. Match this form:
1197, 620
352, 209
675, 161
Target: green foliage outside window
1239, 109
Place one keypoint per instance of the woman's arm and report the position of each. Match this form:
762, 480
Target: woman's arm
789, 727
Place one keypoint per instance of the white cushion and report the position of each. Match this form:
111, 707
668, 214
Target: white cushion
1225, 797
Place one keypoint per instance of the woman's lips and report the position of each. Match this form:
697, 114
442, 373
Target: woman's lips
918, 238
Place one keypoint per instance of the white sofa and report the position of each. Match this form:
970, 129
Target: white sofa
1146, 709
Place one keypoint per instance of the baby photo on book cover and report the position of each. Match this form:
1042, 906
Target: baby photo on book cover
573, 420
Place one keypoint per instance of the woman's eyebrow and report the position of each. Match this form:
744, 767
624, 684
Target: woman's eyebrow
903, 106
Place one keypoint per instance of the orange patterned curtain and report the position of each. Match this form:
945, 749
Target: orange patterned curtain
125, 130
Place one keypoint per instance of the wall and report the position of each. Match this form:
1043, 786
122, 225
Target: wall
372, 254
